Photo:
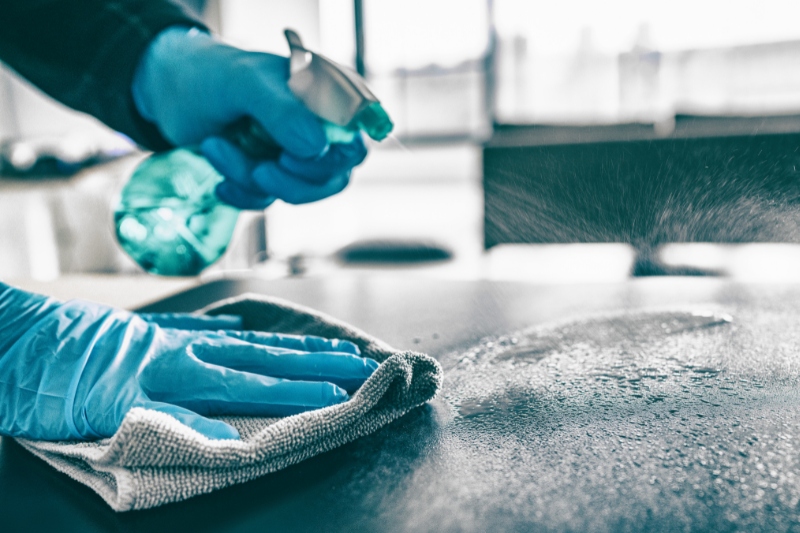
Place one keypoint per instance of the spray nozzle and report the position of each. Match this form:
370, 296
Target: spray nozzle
333, 92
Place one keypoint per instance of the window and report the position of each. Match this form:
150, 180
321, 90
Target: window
579, 61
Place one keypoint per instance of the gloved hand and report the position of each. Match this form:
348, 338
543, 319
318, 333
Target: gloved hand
72, 371
192, 86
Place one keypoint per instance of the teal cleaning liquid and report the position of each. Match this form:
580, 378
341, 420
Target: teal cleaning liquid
169, 219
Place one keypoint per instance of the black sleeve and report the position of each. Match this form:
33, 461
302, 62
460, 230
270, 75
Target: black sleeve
84, 53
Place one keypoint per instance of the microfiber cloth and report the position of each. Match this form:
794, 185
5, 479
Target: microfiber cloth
153, 459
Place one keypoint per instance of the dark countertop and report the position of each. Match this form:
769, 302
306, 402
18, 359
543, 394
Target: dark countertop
634, 422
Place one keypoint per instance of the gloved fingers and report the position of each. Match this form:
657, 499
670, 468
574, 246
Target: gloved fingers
235, 165
340, 158
250, 184
217, 390
232, 194
213, 429
345, 370
229, 160
186, 321
303, 343
238, 189
277, 182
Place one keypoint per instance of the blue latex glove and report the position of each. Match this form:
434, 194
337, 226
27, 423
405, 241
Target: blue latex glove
192, 86
71, 371
195, 322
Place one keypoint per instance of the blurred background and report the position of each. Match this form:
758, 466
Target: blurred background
571, 141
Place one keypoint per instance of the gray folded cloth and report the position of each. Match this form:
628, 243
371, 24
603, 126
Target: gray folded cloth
153, 459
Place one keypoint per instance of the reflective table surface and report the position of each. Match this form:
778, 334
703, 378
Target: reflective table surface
665, 404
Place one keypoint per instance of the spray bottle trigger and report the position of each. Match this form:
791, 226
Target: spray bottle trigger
295, 42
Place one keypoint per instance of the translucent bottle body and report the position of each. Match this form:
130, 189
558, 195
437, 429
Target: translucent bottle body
168, 218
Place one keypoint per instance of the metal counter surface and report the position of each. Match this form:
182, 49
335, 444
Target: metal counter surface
603, 422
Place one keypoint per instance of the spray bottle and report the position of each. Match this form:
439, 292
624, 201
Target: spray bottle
169, 219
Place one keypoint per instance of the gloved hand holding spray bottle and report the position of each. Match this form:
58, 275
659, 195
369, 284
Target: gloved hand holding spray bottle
176, 215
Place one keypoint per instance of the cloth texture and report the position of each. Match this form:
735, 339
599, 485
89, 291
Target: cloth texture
153, 459
85, 53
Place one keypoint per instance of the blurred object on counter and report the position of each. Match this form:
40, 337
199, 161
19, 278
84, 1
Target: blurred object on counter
390, 251
53, 157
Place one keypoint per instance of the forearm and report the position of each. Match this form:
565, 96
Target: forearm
84, 53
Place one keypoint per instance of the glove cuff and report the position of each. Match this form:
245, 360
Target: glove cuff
148, 83
19, 311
